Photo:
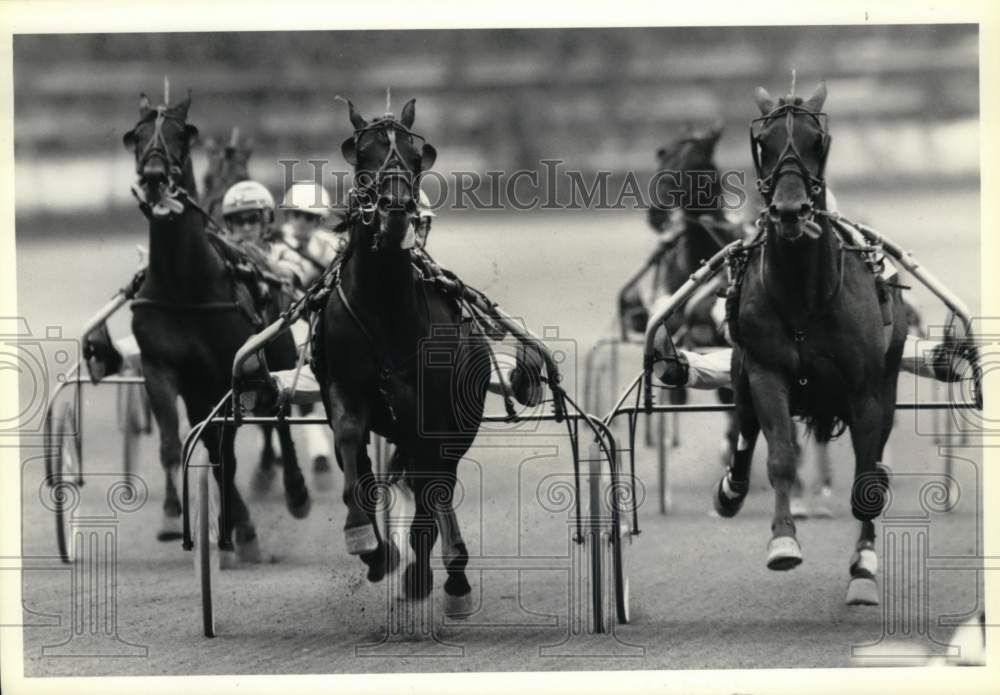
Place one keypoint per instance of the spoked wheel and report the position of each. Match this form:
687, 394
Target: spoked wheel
64, 473
206, 556
619, 545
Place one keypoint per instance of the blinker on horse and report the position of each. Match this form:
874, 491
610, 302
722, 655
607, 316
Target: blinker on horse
192, 314
809, 327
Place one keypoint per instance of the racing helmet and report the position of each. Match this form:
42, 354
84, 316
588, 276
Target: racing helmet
304, 196
245, 196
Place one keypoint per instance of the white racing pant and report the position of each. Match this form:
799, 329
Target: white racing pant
318, 440
711, 370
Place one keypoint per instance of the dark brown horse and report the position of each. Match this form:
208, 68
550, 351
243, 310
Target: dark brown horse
227, 165
816, 338
689, 203
393, 358
193, 313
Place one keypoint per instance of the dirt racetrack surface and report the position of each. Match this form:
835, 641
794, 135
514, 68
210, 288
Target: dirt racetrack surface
701, 596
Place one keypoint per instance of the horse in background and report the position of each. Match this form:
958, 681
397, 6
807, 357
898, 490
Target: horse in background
373, 336
816, 337
228, 164
689, 210
191, 315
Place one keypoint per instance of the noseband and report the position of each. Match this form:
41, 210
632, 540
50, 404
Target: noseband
789, 161
364, 197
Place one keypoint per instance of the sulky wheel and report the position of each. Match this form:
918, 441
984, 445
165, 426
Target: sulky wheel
65, 474
206, 541
619, 546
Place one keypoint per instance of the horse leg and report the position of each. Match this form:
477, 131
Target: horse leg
235, 519
418, 578
728, 445
296, 494
458, 592
735, 484
868, 496
771, 403
361, 536
161, 387
264, 475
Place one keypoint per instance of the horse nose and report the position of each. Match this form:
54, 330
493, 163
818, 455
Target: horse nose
403, 202
789, 210
154, 172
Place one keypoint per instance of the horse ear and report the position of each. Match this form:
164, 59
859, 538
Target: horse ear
764, 100
713, 134
144, 105
350, 154
409, 113
182, 108
815, 102
428, 155
661, 152
357, 120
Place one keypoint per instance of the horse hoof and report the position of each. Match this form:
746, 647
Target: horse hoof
170, 529
321, 464
360, 539
729, 496
417, 584
862, 591
381, 561
458, 607
262, 480
299, 510
783, 553
798, 508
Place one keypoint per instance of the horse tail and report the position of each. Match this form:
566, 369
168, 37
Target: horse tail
825, 426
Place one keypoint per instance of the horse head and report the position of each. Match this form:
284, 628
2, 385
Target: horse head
161, 142
684, 166
790, 143
388, 160
227, 164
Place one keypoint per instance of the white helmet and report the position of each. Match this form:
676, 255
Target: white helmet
308, 197
244, 196
424, 206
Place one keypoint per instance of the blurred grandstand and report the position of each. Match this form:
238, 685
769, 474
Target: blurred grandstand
904, 100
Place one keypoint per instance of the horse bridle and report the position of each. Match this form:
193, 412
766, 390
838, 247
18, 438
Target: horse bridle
790, 160
365, 196
157, 145
174, 198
